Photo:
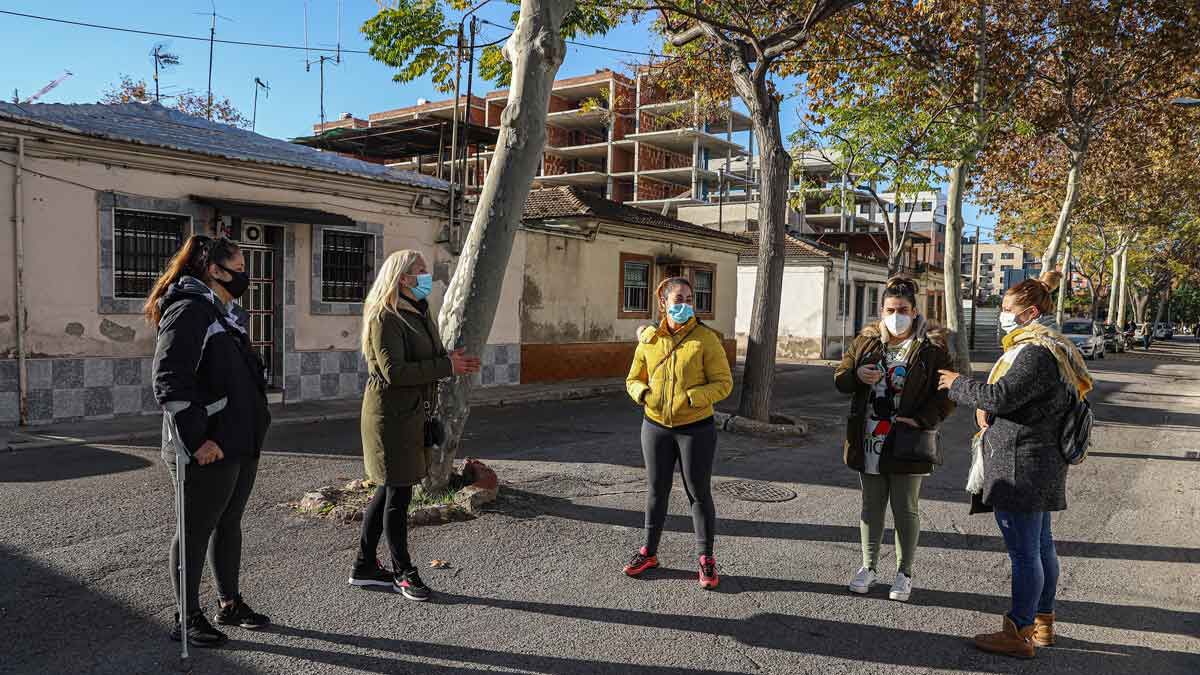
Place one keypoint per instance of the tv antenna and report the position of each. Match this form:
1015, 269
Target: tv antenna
259, 83
44, 90
321, 59
162, 60
212, 36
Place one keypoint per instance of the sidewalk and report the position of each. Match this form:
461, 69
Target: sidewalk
150, 426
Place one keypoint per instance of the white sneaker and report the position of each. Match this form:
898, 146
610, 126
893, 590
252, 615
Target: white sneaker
863, 581
901, 587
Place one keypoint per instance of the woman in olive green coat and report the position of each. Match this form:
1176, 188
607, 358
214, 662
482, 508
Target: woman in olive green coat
405, 359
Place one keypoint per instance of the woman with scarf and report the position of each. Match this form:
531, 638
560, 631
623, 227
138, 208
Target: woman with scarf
891, 371
1018, 469
680, 371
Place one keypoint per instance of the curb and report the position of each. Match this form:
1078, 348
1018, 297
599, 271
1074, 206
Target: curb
516, 398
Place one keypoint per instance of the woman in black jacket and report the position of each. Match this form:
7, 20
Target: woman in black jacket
212, 388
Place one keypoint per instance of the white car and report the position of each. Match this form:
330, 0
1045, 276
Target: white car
1087, 335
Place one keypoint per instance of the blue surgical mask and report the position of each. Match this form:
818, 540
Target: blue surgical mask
423, 287
680, 313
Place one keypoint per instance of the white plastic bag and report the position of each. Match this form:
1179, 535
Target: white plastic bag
975, 476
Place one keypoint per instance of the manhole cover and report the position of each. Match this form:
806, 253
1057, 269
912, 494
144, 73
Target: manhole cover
754, 491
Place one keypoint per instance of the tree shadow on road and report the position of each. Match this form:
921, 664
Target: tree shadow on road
1124, 617
52, 623
518, 503
486, 659
67, 463
861, 642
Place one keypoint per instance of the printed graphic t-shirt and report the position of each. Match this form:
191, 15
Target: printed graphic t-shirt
880, 415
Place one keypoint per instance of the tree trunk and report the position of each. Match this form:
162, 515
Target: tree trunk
1120, 286
1164, 298
1141, 303
1064, 214
758, 375
536, 49
952, 263
1114, 287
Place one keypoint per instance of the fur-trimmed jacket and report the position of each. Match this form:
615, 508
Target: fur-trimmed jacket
921, 400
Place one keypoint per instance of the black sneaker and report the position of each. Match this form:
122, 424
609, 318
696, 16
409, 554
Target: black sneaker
373, 574
409, 584
200, 631
240, 614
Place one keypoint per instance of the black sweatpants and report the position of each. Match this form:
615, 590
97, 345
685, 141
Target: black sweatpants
215, 497
694, 447
387, 510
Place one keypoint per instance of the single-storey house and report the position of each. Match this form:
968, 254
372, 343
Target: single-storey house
107, 193
582, 279
815, 309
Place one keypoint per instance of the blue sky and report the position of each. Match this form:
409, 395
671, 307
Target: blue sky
36, 52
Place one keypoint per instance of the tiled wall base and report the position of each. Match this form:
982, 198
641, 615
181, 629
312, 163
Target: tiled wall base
98, 388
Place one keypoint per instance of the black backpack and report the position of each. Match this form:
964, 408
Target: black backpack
1076, 430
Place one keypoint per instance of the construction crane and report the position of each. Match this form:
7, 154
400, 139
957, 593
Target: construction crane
46, 89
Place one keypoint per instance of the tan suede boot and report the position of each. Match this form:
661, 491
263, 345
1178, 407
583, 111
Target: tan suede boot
1043, 630
1009, 641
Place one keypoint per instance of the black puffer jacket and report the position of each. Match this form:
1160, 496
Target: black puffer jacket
203, 358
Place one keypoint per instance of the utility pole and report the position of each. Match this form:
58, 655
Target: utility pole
212, 36
974, 283
845, 263
467, 112
458, 50
1064, 288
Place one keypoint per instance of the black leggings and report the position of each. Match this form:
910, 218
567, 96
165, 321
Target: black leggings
215, 497
695, 447
388, 510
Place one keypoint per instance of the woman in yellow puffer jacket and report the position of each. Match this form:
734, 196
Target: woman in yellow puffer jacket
680, 370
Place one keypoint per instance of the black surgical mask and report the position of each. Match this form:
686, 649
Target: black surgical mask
237, 285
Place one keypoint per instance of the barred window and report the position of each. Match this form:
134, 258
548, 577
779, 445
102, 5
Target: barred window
702, 291
874, 308
635, 287
347, 266
143, 243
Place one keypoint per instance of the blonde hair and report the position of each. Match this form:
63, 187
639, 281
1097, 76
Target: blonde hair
384, 295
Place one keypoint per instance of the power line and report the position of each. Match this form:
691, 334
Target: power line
243, 43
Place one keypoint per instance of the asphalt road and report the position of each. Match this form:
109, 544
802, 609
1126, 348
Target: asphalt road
536, 583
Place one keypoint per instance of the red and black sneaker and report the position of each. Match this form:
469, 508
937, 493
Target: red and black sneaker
708, 572
640, 562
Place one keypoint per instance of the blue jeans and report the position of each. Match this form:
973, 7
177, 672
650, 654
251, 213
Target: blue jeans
1034, 563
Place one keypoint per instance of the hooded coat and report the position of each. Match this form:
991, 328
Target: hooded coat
207, 377
921, 400
405, 359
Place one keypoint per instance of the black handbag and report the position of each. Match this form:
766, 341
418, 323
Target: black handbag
435, 431
910, 444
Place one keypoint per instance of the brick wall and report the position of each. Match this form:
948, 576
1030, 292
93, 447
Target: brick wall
622, 160
554, 165
622, 126
622, 191
559, 104
648, 188
654, 158
558, 138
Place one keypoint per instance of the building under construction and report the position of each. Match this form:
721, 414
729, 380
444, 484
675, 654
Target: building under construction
621, 137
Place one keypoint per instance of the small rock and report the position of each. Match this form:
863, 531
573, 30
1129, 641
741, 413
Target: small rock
346, 514
312, 502
440, 564
356, 485
472, 498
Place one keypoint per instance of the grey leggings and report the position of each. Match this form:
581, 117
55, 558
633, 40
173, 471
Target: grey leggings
694, 447
215, 497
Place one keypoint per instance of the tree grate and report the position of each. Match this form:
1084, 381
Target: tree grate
754, 491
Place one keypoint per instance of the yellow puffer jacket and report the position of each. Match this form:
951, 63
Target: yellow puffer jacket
679, 387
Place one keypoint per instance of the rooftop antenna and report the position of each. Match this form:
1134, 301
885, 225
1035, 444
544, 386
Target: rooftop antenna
162, 60
321, 59
46, 89
259, 83
212, 36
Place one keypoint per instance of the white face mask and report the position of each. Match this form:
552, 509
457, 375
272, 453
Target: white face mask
1008, 322
897, 324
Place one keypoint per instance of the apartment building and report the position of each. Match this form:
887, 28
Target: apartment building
624, 138
925, 212
996, 261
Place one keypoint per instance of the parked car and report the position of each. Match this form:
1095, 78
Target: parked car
1114, 340
1087, 335
1163, 331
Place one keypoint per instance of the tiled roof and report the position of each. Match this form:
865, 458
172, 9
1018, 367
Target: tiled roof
568, 201
795, 246
154, 125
